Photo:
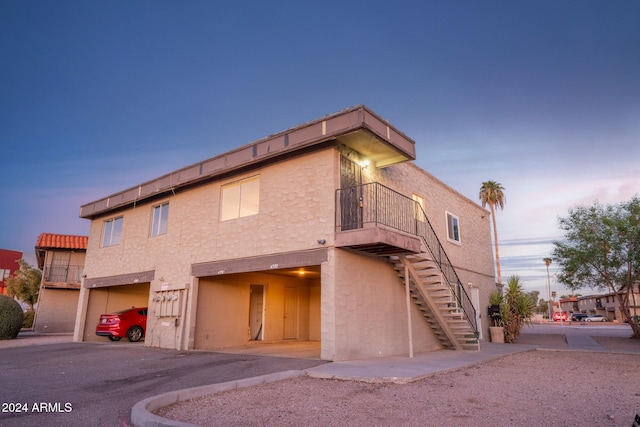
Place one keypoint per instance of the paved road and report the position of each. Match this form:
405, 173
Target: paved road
95, 384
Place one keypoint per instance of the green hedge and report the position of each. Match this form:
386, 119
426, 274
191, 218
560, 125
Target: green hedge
11, 318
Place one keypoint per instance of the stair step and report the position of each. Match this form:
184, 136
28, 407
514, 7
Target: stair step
440, 305
453, 316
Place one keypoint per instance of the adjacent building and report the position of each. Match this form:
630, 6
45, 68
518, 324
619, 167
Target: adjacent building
603, 304
61, 259
326, 232
8, 265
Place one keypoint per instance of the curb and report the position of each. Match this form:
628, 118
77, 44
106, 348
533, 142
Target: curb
142, 416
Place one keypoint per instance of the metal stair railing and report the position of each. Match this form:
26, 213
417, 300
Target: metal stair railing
381, 205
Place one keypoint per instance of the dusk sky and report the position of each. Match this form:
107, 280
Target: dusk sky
541, 96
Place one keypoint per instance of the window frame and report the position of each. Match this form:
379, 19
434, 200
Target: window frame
240, 207
163, 225
110, 223
453, 235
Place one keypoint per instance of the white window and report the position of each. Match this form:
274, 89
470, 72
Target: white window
160, 219
453, 228
240, 198
112, 232
419, 208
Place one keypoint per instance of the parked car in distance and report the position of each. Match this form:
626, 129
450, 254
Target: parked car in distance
560, 315
577, 317
596, 318
636, 319
130, 323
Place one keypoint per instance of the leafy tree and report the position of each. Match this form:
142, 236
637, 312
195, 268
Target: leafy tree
534, 296
25, 284
601, 250
543, 307
492, 194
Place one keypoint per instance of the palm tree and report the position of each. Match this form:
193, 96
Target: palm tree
547, 262
492, 194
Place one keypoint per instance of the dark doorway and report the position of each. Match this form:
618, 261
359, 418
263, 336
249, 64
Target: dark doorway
350, 195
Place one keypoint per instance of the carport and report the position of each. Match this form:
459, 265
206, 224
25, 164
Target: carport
112, 294
275, 306
258, 307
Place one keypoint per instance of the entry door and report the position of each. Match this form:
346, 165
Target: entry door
256, 312
290, 313
350, 194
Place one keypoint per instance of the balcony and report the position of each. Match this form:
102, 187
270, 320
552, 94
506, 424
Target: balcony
376, 219
62, 276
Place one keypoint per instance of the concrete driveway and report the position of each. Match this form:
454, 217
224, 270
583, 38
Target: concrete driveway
95, 384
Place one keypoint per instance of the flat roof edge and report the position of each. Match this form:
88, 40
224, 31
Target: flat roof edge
307, 134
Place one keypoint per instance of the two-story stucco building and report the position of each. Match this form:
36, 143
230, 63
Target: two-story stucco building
326, 232
61, 259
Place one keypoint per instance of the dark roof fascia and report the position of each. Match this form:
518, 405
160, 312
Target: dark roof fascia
282, 144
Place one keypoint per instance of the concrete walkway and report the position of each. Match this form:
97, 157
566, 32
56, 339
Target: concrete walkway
28, 338
583, 342
402, 369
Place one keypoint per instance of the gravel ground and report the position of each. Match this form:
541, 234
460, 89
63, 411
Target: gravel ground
544, 387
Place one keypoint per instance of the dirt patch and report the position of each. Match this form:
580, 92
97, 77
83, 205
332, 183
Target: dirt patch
533, 388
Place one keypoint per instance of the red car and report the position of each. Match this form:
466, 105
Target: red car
130, 323
560, 315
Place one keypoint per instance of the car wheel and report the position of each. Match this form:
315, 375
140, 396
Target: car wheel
135, 334
112, 338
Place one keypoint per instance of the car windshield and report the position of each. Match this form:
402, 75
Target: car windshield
123, 311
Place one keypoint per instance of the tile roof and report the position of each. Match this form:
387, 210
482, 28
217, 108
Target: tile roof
61, 241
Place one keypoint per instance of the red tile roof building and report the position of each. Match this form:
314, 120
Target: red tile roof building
58, 241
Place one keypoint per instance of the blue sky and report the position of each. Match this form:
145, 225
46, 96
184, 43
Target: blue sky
541, 96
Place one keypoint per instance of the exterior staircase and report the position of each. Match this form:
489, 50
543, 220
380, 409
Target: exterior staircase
433, 282
436, 301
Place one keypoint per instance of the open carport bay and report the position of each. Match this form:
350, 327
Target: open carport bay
110, 300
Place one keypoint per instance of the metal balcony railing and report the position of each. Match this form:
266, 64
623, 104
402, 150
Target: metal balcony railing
376, 204
63, 273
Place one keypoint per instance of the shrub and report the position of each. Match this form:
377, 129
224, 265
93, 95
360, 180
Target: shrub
29, 315
516, 310
11, 318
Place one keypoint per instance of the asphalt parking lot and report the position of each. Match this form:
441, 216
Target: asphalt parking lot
95, 384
